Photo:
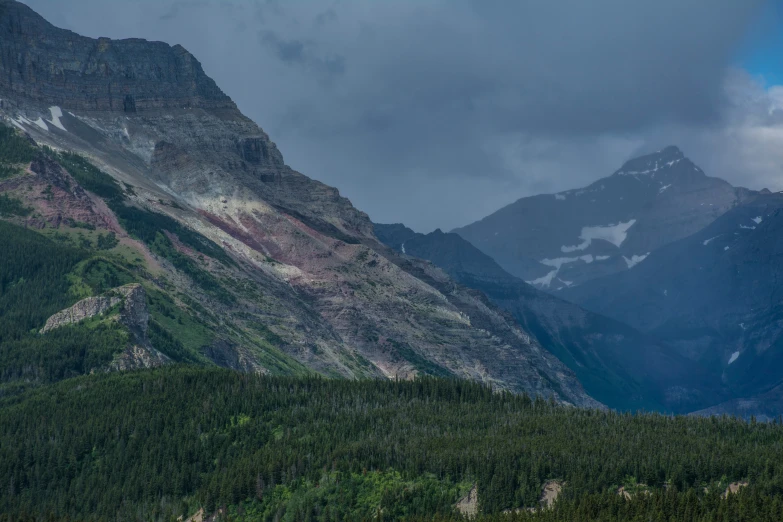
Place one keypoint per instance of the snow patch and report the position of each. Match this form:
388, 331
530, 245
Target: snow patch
663, 188
725, 248
710, 240
653, 170
635, 259
615, 234
16, 124
757, 220
560, 197
544, 280
57, 113
602, 258
558, 262
747, 227
666, 293
403, 248
734, 357
41, 124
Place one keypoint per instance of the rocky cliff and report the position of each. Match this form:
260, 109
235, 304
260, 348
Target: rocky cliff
84, 309
57, 67
130, 302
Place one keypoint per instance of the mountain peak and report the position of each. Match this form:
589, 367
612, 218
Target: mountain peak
671, 150
650, 164
57, 67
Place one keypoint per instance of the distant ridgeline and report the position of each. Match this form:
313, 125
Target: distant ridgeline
160, 444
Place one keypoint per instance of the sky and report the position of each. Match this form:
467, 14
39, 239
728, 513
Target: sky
436, 113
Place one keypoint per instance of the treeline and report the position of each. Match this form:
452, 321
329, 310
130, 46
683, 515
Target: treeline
33, 283
15, 150
158, 444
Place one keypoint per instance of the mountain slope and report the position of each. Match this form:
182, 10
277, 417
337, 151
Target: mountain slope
284, 272
715, 296
617, 365
565, 239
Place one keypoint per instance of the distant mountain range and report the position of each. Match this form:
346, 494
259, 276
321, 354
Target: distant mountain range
716, 296
565, 239
687, 267
617, 364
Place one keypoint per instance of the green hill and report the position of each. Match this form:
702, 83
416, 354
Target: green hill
157, 444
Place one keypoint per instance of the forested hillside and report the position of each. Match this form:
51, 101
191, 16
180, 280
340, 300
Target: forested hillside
157, 444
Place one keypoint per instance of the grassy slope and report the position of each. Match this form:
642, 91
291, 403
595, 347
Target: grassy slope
45, 270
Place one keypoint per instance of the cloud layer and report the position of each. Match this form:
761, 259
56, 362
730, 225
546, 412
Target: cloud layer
437, 113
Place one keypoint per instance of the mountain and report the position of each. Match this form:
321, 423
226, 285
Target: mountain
617, 364
560, 240
715, 296
129, 165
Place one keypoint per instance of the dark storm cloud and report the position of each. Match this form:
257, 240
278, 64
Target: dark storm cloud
297, 52
468, 104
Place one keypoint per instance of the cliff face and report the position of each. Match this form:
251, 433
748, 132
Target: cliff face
58, 67
133, 314
308, 266
84, 309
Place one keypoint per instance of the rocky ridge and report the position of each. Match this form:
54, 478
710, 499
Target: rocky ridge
58, 67
133, 314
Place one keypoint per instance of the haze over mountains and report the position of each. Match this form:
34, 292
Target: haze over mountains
681, 258
715, 297
617, 364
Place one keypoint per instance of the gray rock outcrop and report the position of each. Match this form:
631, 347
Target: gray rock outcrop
59, 67
132, 313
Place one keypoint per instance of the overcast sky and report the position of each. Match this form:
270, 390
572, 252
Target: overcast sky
436, 113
